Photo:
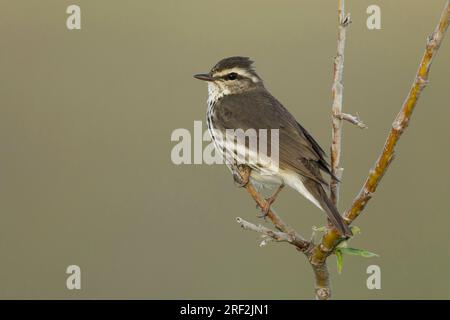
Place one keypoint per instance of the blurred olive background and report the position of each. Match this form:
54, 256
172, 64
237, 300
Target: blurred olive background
85, 171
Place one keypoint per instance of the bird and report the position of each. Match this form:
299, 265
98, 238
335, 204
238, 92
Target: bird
238, 99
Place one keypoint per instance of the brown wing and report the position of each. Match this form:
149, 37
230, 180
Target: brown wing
258, 109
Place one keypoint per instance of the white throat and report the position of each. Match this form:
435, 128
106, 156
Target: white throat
215, 92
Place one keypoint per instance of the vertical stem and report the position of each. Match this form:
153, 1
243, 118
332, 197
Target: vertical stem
322, 281
320, 268
337, 95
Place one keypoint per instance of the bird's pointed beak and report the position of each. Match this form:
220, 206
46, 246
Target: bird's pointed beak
204, 77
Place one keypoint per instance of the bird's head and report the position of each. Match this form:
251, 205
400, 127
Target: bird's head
231, 76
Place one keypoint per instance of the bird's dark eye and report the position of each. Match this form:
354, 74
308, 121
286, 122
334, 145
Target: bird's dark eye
232, 76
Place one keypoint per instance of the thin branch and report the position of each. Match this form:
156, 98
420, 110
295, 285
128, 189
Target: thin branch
321, 275
353, 120
401, 122
273, 235
337, 94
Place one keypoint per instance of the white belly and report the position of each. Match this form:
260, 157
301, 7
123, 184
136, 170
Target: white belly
282, 177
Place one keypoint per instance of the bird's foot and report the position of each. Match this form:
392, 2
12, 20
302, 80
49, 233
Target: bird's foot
241, 175
266, 208
269, 201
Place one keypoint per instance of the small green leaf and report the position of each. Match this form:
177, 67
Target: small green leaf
358, 252
355, 230
339, 260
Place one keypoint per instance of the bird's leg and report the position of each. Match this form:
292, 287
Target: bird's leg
241, 175
269, 201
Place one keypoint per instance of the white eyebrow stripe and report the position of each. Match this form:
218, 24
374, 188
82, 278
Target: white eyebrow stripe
240, 71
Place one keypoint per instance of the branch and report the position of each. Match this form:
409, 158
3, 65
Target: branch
353, 120
267, 233
322, 281
401, 122
320, 269
337, 94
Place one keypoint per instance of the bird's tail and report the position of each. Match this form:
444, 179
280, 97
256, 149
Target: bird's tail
328, 206
334, 216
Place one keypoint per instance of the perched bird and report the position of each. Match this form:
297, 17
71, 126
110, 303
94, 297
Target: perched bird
237, 99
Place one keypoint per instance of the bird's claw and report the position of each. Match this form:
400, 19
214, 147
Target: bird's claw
239, 181
263, 214
241, 175
266, 208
